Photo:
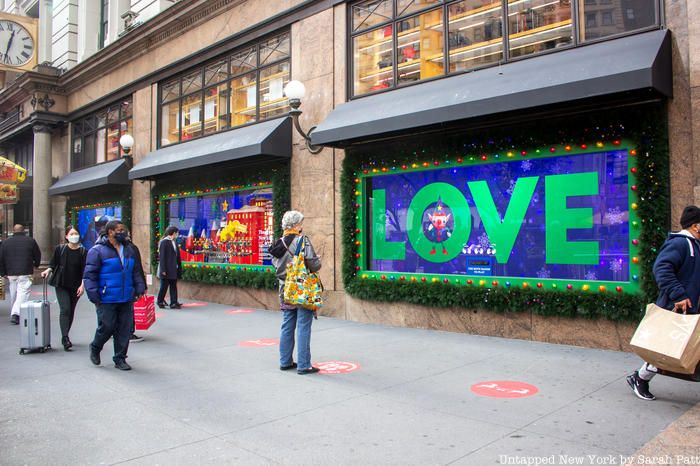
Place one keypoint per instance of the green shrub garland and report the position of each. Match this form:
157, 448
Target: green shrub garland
646, 126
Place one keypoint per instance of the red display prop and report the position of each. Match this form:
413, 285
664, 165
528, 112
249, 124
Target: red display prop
145, 312
337, 367
194, 304
259, 343
240, 311
504, 389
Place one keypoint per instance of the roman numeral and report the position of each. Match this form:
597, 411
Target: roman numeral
27, 46
1, 28
26, 38
10, 27
8, 60
25, 55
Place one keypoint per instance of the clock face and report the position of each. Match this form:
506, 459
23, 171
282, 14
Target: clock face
16, 44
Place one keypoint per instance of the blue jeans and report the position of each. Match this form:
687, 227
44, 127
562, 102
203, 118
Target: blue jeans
114, 319
300, 319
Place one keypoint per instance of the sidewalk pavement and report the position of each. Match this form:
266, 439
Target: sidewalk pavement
197, 395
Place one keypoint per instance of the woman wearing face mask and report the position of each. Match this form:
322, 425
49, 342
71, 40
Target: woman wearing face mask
67, 266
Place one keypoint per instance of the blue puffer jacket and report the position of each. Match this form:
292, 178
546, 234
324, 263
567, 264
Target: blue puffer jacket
106, 279
677, 271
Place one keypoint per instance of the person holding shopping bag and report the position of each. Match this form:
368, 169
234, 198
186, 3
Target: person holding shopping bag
169, 267
66, 275
294, 317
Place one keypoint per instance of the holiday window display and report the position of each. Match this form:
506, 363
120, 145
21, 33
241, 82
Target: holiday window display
91, 220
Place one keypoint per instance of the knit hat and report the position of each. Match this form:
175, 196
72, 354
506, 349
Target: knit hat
690, 216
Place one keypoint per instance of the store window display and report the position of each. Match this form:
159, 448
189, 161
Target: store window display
95, 137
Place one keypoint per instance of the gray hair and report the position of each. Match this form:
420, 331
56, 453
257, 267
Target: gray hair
291, 218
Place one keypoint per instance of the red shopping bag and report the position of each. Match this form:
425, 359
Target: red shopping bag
145, 312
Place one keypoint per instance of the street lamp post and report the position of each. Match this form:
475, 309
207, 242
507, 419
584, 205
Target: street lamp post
295, 91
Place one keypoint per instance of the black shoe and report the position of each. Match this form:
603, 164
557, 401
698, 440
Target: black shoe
291, 366
95, 357
14, 319
311, 370
67, 345
161, 305
135, 338
640, 387
176, 306
122, 365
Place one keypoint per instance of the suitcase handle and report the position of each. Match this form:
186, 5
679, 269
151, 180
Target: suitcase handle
46, 290
36, 326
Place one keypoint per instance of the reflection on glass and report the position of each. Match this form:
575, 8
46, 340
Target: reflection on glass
192, 82
113, 141
191, 117
89, 150
170, 90
420, 42
271, 90
244, 94
100, 144
367, 14
476, 34
607, 18
243, 61
405, 7
215, 73
169, 127
274, 49
538, 25
373, 61
215, 109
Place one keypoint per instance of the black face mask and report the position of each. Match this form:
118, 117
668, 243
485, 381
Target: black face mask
120, 237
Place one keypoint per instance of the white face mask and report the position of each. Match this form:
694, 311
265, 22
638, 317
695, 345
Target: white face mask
74, 239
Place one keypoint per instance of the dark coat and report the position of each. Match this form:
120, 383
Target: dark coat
170, 263
107, 280
59, 258
677, 271
19, 254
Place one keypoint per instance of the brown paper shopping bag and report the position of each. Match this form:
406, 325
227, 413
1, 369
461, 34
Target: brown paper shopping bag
668, 340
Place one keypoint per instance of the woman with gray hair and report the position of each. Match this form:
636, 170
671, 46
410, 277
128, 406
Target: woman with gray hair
294, 317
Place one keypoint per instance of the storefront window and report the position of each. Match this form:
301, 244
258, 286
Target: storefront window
96, 137
91, 221
412, 33
232, 227
245, 87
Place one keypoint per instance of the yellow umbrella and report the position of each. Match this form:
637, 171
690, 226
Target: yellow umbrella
10, 172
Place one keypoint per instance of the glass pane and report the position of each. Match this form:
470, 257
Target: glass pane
274, 49
88, 150
192, 82
367, 14
191, 117
113, 141
538, 25
170, 90
271, 90
420, 47
102, 119
614, 17
243, 61
77, 127
216, 73
405, 7
89, 124
372, 61
77, 145
169, 124
476, 34
100, 145
244, 93
126, 108
112, 115
215, 109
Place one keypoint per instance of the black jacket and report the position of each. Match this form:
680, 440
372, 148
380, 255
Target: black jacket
60, 257
677, 271
170, 264
19, 254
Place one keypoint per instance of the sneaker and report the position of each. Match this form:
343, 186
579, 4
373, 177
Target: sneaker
162, 305
176, 306
65, 341
135, 338
640, 387
293, 365
311, 370
95, 357
14, 319
122, 366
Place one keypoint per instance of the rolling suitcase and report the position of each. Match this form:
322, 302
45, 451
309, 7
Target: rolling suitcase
35, 324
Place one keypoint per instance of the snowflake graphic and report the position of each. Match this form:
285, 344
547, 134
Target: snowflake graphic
590, 276
616, 265
484, 241
511, 188
614, 216
525, 165
544, 273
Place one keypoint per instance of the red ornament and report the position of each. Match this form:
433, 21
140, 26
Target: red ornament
403, 167
635, 242
357, 267
436, 163
402, 278
469, 282
446, 280
523, 153
423, 279
494, 283
483, 157
616, 142
569, 286
365, 171
539, 285
383, 277
633, 169
357, 256
634, 187
618, 289
552, 149
459, 160
584, 146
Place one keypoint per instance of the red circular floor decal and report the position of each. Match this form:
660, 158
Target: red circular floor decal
239, 311
159, 315
337, 367
259, 343
194, 304
504, 389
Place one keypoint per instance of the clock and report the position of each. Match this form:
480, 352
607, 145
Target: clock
16, 44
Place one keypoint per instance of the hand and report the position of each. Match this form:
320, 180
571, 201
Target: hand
45, 273
163, 274
682, 307
81, 290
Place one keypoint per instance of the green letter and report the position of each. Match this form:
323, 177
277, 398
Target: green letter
559, 219
381, 248
502, 233
461, 215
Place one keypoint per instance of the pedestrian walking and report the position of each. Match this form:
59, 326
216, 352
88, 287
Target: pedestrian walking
19, 255
677, 273
66, 276
113, 280
294, 317
169, 267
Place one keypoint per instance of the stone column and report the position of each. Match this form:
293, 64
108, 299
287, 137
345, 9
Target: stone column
45, 34
41, 204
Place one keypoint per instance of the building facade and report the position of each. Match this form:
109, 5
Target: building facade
501, 168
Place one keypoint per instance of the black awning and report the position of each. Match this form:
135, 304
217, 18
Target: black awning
111, 173
267, 139
635, 63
